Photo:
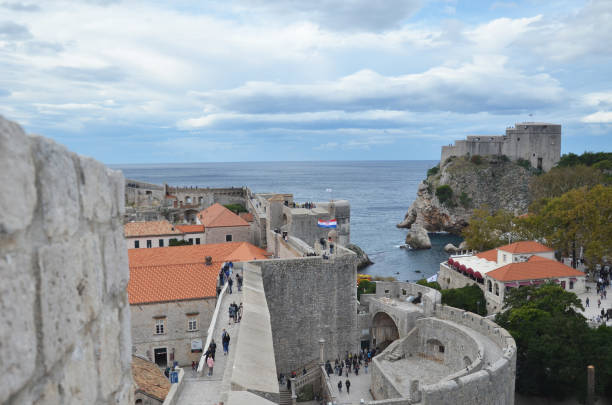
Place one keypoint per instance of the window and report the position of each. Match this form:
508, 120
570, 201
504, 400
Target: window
159, 326
197, 241
161, 243
441, 349
192, 323
505, 258
191, 241
496, 289
228, 238
490, 286
571, 285
149, 243
136, 244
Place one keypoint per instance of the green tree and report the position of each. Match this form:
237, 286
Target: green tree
471, 298
430, 284
486, 231
551, 336
560, 180
580, 217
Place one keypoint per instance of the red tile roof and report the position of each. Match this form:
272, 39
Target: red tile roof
525, 247
247, 216
535, 268
191, 228
180, 273
490, 255
149, 228
218, 216
149, 379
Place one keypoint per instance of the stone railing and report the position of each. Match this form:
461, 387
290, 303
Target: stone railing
175, 390
327, 390
211, 330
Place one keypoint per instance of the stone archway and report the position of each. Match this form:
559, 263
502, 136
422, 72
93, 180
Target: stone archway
384, 330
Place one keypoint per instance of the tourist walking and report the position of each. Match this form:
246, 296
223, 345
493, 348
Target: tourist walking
210, 362
225, 339
587, 302
239, 281
348, 386
339, 386
230, 283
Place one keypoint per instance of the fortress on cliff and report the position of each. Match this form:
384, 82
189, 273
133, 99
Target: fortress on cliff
537, 142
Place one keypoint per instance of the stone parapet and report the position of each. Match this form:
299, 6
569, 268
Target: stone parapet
64, 267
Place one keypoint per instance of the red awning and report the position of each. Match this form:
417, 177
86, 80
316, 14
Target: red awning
556, 281
525, 283
510, 284
572, 279
450, 261
470, 271
478, 275
463, 268
537, 282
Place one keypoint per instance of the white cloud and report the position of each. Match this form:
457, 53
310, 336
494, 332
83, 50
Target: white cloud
600, 117
598, 99
499, 33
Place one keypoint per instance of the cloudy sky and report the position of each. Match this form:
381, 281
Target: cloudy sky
238, 80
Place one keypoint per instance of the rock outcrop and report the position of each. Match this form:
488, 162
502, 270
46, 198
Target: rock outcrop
493, 182
362, 257
418, 238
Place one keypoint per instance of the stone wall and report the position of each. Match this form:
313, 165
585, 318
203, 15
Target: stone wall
176, 338
64, 269
311, 298
218, 235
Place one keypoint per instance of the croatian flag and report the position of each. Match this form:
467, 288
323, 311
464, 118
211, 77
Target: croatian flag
327, 224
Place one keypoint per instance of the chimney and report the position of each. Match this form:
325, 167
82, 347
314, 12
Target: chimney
208, 260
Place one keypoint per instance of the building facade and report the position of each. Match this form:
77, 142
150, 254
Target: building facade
538, 143
498, 270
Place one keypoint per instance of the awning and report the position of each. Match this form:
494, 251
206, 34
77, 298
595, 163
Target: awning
556, 281
572, 279
463, 268
451, 261
470, 271
510, 284
478, 275
525, 283
537, 282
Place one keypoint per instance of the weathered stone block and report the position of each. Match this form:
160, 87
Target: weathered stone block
18, 332
118, 184
115, 262
17, 176
58, 188
64, 293
79, 379
96, 190
107, 349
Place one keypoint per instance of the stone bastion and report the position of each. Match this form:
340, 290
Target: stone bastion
440, 354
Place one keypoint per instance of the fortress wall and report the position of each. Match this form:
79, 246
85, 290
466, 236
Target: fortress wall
64, 268
397, 289
139, 193
311, 298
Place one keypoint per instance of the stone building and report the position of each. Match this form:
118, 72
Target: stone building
150, 234
172, 296
498, 270
537, 142
222, 225
150, 385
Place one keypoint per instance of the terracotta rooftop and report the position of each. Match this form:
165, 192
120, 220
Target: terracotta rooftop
490, 255
190, 228
172, 282
525, 247
149, 379
535, 268
220, 252
149, 228
218, 216
180, 273
247, 216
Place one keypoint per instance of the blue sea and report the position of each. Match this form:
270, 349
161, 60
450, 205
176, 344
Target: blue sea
380, 193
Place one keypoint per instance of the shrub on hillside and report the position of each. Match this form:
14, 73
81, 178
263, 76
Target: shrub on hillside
476, 159
464, 200
430, 284
444, 194
471, 298
523, 163
433, 171
237, 208
365, 287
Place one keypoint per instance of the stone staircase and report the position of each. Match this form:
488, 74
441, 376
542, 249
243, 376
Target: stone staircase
285, 397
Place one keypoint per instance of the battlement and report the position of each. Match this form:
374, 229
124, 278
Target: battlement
537, 142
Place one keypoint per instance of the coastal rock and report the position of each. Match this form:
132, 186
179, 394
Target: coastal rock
362, 257
463, 245
494, 183
450, 248
418, 238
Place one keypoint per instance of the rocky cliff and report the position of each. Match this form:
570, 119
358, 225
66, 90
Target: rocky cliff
447, 198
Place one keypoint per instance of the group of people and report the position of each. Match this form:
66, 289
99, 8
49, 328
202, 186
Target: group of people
235, 313
225, 274
209, 356
352, 362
